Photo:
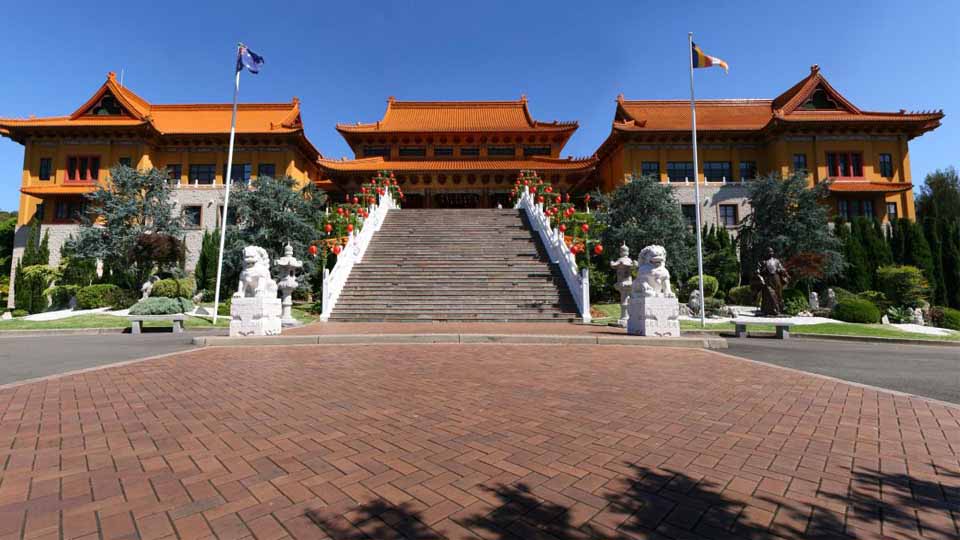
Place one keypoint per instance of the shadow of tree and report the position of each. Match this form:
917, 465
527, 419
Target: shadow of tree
660, 503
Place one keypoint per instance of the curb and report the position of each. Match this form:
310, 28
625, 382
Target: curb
61, 332
703, 342
835, 337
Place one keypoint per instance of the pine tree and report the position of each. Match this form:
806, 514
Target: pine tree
931, 230
856, 278
918, 252
206, 269
951, 264
43, 251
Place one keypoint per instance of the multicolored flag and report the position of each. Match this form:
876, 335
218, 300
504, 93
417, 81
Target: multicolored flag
248, 59
703, 60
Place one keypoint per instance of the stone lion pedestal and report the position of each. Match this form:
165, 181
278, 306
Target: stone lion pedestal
653, 308
255, 309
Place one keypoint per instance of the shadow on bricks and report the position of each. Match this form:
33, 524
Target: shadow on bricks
661, 503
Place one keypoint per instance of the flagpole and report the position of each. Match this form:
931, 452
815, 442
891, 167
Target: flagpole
226, 195
696, 183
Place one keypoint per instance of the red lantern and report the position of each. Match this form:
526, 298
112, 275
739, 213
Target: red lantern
540, 199
340, 210
349, 227
563, 228
363, 190
356, 200
549, 189
598, 249
556, 199
584, 227
337, 249
526, 182
313, 250
327, 228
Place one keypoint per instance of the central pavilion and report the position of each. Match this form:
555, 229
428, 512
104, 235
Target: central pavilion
457, 154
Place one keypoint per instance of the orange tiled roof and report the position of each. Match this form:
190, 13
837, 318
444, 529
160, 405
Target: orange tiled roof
456, 116
533, 163
72, 188
757, 114
171, 119
854, 186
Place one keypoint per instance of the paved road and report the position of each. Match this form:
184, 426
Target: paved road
24, 358
929, 371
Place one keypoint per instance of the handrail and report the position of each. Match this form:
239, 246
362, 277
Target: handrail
352, 253
577, 281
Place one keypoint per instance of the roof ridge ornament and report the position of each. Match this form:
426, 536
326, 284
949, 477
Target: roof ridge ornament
815, 68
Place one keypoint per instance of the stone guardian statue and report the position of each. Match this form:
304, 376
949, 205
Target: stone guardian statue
255, 309
624, 269
653, 308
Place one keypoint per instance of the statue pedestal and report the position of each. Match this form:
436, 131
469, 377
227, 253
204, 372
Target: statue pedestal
656, 316
257, 316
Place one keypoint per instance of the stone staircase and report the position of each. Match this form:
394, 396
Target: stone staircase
455, 265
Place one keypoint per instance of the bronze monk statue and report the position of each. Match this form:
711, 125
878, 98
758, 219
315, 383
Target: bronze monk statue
770, 279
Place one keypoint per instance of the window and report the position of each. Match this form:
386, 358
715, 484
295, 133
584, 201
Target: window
266, 169
689, 214
470, 151
69, 210
413, 151
107, 106
125, 161
717, 170
800, 163
174, 172
851, 208
46, 168
843, 208
536, 151
231, 217
202, 174
867, 207
374, 151
728, 215
240, 172
443, 151
500, 151
191, 216
892, 213
81, 168
748, 170
886, 165
678, 171
845, 164
650, 168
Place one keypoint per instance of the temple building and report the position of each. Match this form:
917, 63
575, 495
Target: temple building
810, 128
66, 157
457, 154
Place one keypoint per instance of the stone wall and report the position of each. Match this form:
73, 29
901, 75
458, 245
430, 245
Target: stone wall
712, 195
59, 233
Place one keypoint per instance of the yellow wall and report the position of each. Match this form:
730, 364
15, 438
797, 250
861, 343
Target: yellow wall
287, 161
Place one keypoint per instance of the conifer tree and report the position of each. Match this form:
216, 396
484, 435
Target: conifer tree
951, 264
856, 277
931, 230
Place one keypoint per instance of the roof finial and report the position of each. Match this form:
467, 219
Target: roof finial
620, 97
523, 98
391, 99
815, 68
112, 75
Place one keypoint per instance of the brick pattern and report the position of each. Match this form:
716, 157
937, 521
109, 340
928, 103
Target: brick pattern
463, 441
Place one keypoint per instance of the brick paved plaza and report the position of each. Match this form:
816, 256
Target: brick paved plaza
461, 441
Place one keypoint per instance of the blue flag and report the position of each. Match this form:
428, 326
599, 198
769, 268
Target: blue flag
249, 59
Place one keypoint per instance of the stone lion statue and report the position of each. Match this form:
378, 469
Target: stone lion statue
255, 280
653, 278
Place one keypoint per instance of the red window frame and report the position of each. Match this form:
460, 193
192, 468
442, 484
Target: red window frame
841, 164
82, 169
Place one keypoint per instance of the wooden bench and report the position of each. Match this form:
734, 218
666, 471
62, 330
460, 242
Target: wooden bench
782, 326
136, 321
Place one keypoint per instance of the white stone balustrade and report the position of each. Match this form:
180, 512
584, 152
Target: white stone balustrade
352, 253
578, 281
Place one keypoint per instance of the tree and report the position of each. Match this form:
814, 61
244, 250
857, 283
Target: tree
720, 257
951, 264
8, 228
788, 217
857, 276
939, 197
206, 269
128, 219
270, 213
644, 212
910, 247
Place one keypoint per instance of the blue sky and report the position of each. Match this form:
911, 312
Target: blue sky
570, 58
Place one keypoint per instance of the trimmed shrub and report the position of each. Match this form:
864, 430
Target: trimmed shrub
792, 294
713, 307
744, 295
842, 294
876, 298
944, 317
123, 299
161, 305
175, 288
224, 309
20, 313
60, 295
97, 296
903, 285
856, 310
793, 306
710, 285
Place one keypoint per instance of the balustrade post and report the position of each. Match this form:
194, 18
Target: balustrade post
585, 294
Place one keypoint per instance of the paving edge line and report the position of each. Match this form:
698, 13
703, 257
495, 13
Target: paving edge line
838, 380
61, 332
701, 342
834, 337
122, 363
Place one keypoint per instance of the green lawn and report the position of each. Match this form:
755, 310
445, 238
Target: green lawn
111, 321
612, 311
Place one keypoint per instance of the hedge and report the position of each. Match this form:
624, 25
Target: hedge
944, 317
856, 310
710, 285
903, 285
104, 295
175, 288
161, 305
60, 295
744, 295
